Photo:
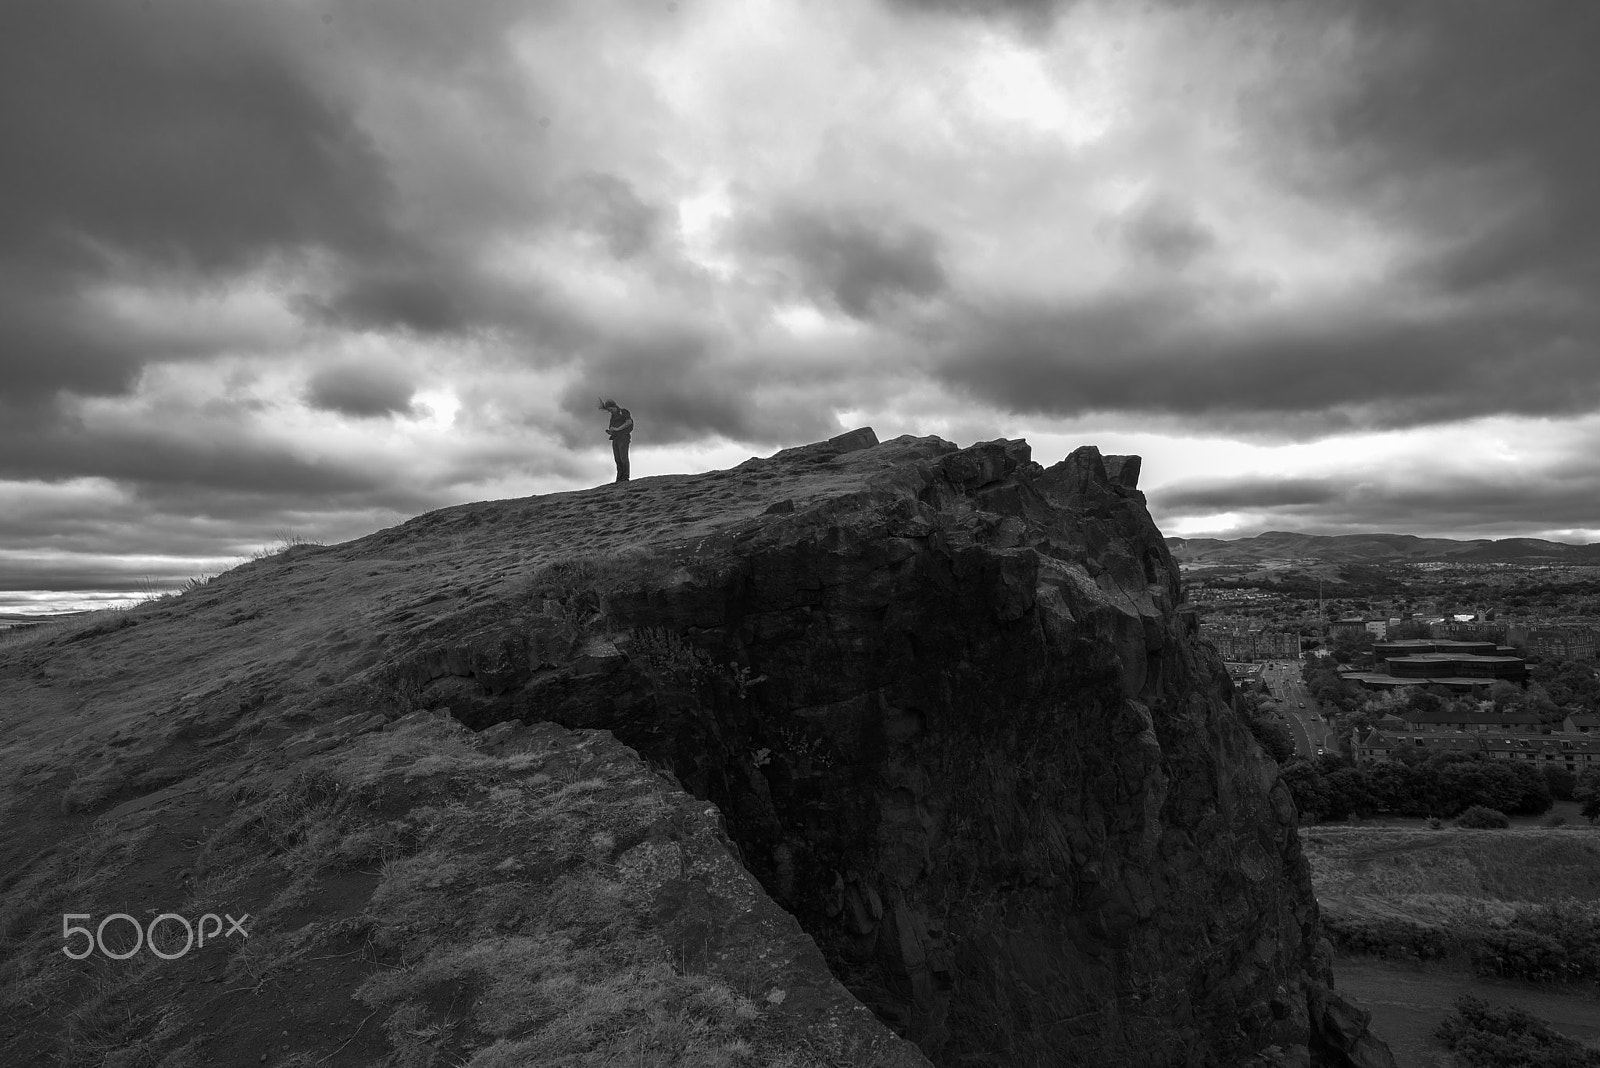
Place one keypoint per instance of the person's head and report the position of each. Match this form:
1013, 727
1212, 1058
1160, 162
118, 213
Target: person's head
607, 404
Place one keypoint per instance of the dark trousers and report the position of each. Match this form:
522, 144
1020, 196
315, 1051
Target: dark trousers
619, 452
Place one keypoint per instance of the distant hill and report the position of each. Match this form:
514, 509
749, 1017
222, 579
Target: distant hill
1280, 545
17, 619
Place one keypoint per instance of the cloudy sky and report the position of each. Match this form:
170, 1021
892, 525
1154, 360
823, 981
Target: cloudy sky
307, 268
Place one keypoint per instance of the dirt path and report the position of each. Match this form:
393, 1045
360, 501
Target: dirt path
1408, 1000
1366, 856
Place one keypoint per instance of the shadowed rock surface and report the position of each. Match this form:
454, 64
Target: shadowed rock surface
946, 701
984, 765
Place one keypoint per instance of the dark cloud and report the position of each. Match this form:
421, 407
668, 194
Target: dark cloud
1033, 17
1239, 494
169, 521
1165, 232
164, 141
398, 166
1476, 123
1337, 370
51, 343
421, 297
361, 390
174, 133
609, 206
682, 386
70, 574
1413, 502
197, 460
1468, 137
855, 260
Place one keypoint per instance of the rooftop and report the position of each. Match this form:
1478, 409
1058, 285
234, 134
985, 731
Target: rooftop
1452, 658
1505, 715
1381, 739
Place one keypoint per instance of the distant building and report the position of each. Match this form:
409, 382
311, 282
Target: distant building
1462, 666
1582, 723
1240, 645
1477, 720
1245, 676
1574, 754
1465, 630
1569, 643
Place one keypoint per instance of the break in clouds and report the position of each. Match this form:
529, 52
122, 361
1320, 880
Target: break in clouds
319, 266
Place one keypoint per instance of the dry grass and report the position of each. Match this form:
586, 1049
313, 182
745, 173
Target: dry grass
104, 1029
36, 634
1511, 866
1451, 880
33, 971
285, 540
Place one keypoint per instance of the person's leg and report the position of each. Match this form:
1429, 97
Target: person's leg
619, 452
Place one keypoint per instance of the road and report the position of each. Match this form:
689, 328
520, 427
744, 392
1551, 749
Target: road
1305, 724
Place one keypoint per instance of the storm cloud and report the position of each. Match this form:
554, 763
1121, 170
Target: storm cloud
269, 266
167, 142
854, 261
360, 390
1391, 501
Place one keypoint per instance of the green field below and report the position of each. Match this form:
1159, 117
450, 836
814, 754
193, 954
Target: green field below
1409, 886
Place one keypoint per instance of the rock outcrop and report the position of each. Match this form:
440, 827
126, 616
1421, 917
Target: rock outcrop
965, 765
951, 709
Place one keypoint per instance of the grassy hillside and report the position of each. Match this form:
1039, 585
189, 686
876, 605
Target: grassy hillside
1418, 872
1513, 902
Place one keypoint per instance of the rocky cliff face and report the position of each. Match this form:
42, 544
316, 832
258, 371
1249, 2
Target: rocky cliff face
950, 706
945, 702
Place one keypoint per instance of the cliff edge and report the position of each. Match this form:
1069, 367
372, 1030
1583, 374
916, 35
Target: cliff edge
941, 705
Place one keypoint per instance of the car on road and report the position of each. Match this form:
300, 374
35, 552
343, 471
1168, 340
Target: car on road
1302, 704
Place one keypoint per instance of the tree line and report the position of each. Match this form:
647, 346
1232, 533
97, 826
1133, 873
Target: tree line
1443, 785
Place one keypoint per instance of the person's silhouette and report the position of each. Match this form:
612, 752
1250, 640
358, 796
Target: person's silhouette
620, 431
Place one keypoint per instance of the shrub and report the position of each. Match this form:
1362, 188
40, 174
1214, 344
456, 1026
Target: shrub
1572, 926
1481, 1037
1271, 736
1483, 818
1562, 782
1388, 937
1523, 954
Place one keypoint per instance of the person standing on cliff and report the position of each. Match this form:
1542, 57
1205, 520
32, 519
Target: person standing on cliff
620, 432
